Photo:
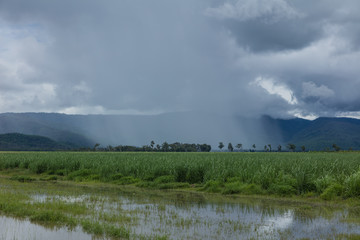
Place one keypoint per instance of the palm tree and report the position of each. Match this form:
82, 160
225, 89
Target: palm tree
152, 143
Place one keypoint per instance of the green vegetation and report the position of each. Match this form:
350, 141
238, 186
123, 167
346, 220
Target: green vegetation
326, 175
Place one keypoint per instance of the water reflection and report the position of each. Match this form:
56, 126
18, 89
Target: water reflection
243, 220
11, 229
191, 216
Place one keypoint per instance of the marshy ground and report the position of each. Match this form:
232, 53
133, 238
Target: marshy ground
67, 210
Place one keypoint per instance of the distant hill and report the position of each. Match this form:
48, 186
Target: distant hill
186, 127
322, 133
22, 142
26, 124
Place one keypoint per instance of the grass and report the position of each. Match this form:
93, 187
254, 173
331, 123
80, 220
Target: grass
325, 175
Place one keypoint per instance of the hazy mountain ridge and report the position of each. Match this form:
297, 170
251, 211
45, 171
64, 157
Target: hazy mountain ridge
322, 133
28, 124
190, 127
22, 142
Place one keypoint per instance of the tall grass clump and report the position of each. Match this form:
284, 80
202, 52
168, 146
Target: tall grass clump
352, 185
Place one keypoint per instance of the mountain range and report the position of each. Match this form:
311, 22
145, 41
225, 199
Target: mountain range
86, 130
22, 142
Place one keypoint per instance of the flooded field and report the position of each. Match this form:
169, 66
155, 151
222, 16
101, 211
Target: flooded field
23, 229
168, 215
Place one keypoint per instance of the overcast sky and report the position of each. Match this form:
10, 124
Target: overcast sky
244, 57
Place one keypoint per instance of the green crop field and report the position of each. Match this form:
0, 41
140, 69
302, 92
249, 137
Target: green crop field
327, 175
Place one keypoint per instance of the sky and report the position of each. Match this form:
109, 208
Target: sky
283, 58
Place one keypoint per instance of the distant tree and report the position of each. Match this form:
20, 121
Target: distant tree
291, 147
127, 148
165, 147
279, 148
221, 145
266, 148
96, 146
303, 148
336, 147
269, 145
158, 147
254, 147
173, 147
204, 147
147, 148
230, 147
152, 144
239, 146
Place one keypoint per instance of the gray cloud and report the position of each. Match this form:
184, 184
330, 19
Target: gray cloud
310, 90
263, 25
137, 56
268, 11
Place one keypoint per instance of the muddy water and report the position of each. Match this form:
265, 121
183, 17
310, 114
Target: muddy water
194, 216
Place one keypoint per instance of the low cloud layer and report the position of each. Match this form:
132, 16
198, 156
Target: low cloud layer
242, 57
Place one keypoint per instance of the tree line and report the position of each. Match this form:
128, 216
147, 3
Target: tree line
187, 147
152, 147
268, 147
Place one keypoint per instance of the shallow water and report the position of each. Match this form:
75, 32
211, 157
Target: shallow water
259, 220
190, 216
11, 229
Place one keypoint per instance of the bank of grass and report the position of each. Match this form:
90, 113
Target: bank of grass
329, 176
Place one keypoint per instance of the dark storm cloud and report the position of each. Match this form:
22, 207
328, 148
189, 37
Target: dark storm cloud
267, 25
259, 36
277, 25
247, 57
